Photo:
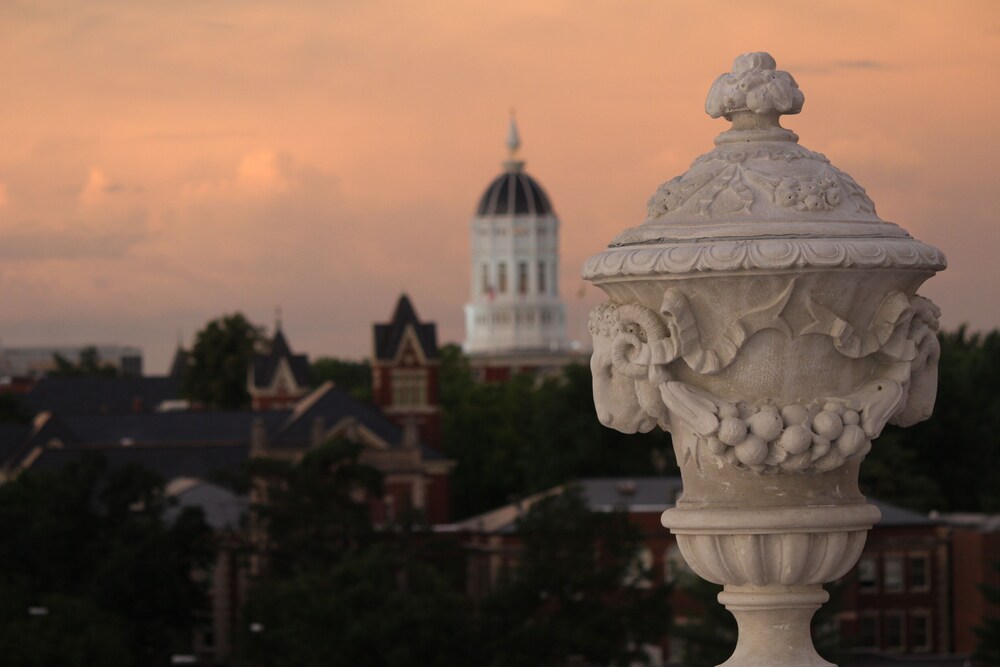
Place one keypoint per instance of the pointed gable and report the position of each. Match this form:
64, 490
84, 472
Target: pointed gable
391, 336
266, 366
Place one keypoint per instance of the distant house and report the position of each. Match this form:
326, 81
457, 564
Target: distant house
278, 378
405, 365
203, 445
899, 600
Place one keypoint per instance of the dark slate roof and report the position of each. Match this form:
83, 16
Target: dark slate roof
12, 436
179, 364
389, 336
101, 395
167, 427
640, 494
266, 365
222, 508
514, 193
167, 461
654, 493
332, 404
894, 515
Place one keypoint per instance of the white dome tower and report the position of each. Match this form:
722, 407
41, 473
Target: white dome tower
514, 306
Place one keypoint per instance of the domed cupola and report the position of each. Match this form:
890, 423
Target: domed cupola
515, 304
514, 192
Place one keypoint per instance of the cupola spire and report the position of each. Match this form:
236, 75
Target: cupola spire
513, 137
513, 144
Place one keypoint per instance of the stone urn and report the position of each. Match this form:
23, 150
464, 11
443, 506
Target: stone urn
767, 318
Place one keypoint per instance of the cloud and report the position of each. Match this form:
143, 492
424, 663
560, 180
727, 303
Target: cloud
97, 188
260, 173
859, 64
96, 238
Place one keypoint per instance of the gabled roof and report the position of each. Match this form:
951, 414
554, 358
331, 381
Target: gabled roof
12, 436
179, 363
101, 395
168, 462
637, 494
266, 365
167, 427
332, 404
894, 515
187, 444
389, 336
222, 508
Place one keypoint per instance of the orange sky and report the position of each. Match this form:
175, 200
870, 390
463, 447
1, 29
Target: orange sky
162, 163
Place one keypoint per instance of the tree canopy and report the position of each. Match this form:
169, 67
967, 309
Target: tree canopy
951, 462
216, 374
578, 591
516, 438
354, 377
89, 364
334, 591
91, 570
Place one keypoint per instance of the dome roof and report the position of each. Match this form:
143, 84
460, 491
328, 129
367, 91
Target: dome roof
514, 193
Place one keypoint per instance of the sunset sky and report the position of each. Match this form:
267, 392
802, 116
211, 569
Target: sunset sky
163, 163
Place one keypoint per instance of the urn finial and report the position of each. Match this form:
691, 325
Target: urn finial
753, 96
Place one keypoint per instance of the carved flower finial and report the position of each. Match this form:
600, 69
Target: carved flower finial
754, 86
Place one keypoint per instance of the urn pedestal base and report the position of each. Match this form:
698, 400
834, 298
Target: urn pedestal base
773, 562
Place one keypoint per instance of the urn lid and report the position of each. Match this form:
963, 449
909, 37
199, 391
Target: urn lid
759, 200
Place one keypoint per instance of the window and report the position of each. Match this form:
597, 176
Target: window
409, 387
892, 573
868, 630
522, 277
867, 575
918, 573
541, 277
486, 279
894, 631
920, 630
502, 277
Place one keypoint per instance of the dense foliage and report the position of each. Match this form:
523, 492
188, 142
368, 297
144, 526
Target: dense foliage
216, 374
516, 438
333, 591
92, 573
578, 592
89, 364
951, 462
354, 377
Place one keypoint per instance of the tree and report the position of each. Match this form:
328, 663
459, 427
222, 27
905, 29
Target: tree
90, 545
949, 462
89, 364
218, 363
335, 591
372, 608
578, 591
354, 377
315, 511
520, 437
